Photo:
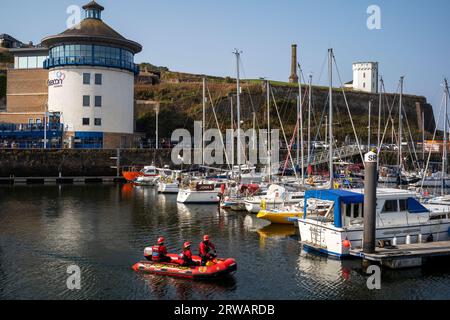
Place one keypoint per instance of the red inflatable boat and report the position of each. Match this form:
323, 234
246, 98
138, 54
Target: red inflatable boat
217, 268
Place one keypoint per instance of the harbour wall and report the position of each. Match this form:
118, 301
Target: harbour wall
75, 163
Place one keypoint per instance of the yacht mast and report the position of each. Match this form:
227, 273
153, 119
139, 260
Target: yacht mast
330, 76
268, 130
232, 128
238, 107
444, 153
380, 103
309, 118
368, 127
300, 127
203, 120
400, 118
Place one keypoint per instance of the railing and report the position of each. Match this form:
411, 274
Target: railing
80, 61
17, 128
324, 156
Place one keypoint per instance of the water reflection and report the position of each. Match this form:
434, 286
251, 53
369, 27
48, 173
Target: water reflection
104, 229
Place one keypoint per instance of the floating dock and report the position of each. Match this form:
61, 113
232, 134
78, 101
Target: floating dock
60, 180
405, 255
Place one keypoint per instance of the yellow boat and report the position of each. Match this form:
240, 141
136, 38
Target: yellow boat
278, 217
277, 231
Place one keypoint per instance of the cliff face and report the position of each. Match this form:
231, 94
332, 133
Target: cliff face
181, 104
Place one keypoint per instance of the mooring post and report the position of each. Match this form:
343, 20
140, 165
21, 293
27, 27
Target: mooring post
370, 202
118, 162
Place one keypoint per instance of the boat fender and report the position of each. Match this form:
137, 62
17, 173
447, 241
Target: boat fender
346, 243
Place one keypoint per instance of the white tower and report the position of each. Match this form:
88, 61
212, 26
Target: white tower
365, 76
91, 82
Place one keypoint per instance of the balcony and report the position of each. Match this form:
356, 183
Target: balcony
89, 61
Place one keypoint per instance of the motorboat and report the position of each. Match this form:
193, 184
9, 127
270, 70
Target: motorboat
284, 215
400, 218
214, 269
149, 177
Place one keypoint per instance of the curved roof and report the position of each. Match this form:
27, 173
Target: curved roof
93, 5
92, 31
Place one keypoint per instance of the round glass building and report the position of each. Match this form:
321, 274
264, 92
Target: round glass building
91, 81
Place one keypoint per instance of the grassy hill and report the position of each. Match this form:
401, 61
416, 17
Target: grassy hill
180, 98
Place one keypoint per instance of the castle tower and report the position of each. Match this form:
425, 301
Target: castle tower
294, 78
91, 82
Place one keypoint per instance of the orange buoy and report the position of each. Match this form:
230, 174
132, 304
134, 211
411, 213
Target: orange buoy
346, 243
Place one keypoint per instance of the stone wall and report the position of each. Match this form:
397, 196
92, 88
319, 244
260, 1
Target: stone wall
49, 163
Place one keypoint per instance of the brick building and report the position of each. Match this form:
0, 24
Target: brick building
76, 89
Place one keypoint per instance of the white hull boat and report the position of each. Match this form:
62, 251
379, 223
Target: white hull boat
400, 219
168, 188
188, 196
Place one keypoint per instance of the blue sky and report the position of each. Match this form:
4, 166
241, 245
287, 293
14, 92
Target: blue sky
199, 36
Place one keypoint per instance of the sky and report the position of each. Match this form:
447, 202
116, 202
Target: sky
198, 36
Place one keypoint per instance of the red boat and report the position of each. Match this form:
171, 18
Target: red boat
215, 269
132, 174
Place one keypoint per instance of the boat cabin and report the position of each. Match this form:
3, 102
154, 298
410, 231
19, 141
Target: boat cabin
346, 208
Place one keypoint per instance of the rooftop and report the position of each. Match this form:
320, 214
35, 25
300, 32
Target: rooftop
92, 30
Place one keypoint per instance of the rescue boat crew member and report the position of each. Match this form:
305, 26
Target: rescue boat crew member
205, 249
186, 256
159, 252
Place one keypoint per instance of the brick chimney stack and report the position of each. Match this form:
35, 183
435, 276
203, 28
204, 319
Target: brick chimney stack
294, 78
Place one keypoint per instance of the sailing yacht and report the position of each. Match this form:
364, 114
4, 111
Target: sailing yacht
276, 197
201, 192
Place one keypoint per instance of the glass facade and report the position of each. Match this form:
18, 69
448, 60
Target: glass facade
31, 62
86, 54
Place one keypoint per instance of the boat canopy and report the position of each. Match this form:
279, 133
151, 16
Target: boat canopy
415, 206
338, 197
347, 197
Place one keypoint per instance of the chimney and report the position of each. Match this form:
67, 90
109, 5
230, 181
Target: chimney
294, 78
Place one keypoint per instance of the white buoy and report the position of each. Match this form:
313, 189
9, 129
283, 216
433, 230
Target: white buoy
420, 238
408, 239
394, 241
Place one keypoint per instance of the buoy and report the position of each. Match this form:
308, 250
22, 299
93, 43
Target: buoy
346, 243
420, 238
394, 241
408, 239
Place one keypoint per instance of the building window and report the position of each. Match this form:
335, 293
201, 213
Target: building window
86, 78
98, 101
364, 75
98, 121
86, 121
86, 101
364, 84
98, 78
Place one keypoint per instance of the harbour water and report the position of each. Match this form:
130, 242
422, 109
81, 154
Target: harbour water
103, 229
